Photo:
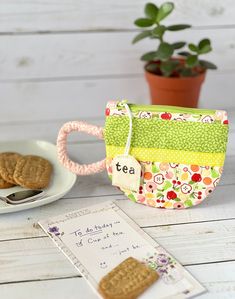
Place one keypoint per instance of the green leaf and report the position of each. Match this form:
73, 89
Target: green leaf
151, 11
177, 199
204, 46
152, 68
141, 36
132, 197
149, 56
188, 203
214, 173
164, 51
178, 27
155, 169
191, 182
167, 185
204, 42
168, 67
164, 10
192, 61
193, 48
143, 22
205, 49
178, 45
186, 72
207, 65
184, 53
158, 31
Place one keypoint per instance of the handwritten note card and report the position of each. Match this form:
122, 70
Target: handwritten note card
96, 239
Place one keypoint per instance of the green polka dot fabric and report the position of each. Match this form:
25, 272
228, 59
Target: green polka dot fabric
164, 134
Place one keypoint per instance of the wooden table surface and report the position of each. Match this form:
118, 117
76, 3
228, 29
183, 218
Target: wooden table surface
62, 60
201, 238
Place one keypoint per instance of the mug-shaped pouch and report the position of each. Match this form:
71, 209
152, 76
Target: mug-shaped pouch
181, 151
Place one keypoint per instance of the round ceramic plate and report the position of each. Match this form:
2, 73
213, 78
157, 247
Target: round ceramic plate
61, 182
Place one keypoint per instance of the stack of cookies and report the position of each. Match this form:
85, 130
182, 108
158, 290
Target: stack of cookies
32, 172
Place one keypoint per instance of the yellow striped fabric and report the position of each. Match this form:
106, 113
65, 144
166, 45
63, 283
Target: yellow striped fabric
169, 155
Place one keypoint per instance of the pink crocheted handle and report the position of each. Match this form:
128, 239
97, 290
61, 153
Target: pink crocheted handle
79, 169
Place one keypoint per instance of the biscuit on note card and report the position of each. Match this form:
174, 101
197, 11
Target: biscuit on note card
8, 163
127, 281
33, 172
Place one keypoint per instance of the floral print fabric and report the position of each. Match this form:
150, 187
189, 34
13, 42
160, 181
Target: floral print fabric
172, 185
220, 116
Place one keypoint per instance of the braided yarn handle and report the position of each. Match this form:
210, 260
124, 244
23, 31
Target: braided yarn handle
79, 126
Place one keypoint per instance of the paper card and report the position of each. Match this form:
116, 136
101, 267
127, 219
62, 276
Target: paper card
96, 239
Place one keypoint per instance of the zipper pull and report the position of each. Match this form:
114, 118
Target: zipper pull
122, 103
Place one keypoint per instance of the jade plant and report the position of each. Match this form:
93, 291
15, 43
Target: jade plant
170, 59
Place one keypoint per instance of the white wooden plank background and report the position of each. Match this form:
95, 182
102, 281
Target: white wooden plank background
217, 278
86, 99
62, 60
82, 55
71, 15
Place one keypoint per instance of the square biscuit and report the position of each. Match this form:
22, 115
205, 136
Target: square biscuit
127, 281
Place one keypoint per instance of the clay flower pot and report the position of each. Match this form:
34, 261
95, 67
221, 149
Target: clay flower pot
175, 91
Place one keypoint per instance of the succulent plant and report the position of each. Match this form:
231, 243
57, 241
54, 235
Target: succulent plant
170, 59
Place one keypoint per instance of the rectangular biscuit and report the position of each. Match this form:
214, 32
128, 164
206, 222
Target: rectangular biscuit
127, 281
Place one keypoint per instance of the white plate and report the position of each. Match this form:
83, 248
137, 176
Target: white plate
61, 182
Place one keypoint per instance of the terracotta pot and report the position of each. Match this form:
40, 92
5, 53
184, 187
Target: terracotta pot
183, 91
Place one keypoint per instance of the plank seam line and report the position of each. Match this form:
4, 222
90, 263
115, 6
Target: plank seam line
103, 30
76, 78
185, 223
24, 238
89, 77
143, 227
79, 276
50, 121
38, 280
209, 263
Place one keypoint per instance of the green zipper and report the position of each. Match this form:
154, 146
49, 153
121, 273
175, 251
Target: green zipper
173, 109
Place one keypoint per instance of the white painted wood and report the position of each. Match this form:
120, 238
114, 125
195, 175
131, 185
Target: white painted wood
217, 278
69, 288
190, 244
66, 99
219, 206
42, 255
47, 130
26, 16
194, 243
38, 102
92, 55
93, 189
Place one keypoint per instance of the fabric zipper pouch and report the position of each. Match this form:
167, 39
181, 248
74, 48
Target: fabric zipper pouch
160, 156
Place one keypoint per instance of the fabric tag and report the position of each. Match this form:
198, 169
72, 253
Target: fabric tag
126, 171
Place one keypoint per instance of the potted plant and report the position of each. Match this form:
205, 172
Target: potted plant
174, 75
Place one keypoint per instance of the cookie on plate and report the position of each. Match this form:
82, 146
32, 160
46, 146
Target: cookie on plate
4, 184
33, 172
127, 281
8, 163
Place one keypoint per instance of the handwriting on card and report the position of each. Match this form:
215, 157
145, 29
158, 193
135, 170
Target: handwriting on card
105, 234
